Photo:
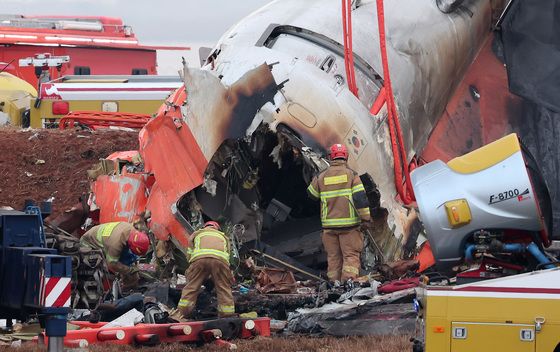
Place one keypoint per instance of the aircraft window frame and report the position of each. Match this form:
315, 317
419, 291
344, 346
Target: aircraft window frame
273, 31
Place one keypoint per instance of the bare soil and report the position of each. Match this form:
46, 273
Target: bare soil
40, 164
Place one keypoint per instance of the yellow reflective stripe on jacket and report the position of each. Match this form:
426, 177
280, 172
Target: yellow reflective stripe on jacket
226, 309
105, 230
200, 252
313, 192
324, 210
338, 222
363, 211
342, 222
346, 192
335, 180
358, 188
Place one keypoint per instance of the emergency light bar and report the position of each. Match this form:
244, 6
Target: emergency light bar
42, 60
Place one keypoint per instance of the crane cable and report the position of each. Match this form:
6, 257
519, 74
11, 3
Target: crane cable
348, 51
400, 163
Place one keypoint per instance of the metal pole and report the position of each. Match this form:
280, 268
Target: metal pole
56, 344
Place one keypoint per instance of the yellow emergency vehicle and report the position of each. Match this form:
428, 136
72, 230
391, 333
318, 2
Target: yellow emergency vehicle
519, 313
16, 96
139, 94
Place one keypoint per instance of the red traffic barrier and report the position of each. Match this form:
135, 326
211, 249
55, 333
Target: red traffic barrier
211, 335
147, 339
110, 335
76, 343
225, 344
87, 324
161, 333
178, 330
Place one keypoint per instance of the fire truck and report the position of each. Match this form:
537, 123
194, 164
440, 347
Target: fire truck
85, 39
123, 94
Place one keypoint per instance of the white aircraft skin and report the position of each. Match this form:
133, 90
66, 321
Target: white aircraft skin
429, 52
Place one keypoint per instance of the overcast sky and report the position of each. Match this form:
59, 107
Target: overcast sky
178, 22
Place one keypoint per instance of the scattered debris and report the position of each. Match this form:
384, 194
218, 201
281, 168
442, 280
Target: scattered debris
399, 285
130, 318
361, 318
275, 281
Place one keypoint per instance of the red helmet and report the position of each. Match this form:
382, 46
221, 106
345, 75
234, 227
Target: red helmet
338, 151
213, 224
138, 242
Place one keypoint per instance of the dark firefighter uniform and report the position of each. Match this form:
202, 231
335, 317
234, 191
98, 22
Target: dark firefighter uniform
344, 206
208, 259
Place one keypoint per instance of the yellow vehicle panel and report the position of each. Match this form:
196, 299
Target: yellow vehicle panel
140, 94
15, 97
492, 337
515, 313
130, 106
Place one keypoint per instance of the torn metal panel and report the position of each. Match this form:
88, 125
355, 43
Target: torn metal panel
171, 153
368, 317
391, 319
173, 156
215, 112
163, 220
131, 156
120, 197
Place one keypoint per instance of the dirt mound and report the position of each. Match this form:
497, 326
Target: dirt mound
40, 164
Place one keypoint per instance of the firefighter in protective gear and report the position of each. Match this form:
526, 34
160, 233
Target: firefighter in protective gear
121, 243
208, 259
344, 207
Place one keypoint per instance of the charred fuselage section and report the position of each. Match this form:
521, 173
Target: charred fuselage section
260, 183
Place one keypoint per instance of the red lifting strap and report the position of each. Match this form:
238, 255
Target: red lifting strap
397, 141
348, 51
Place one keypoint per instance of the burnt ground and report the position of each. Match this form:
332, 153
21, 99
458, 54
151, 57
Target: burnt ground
295, 343
67, 156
